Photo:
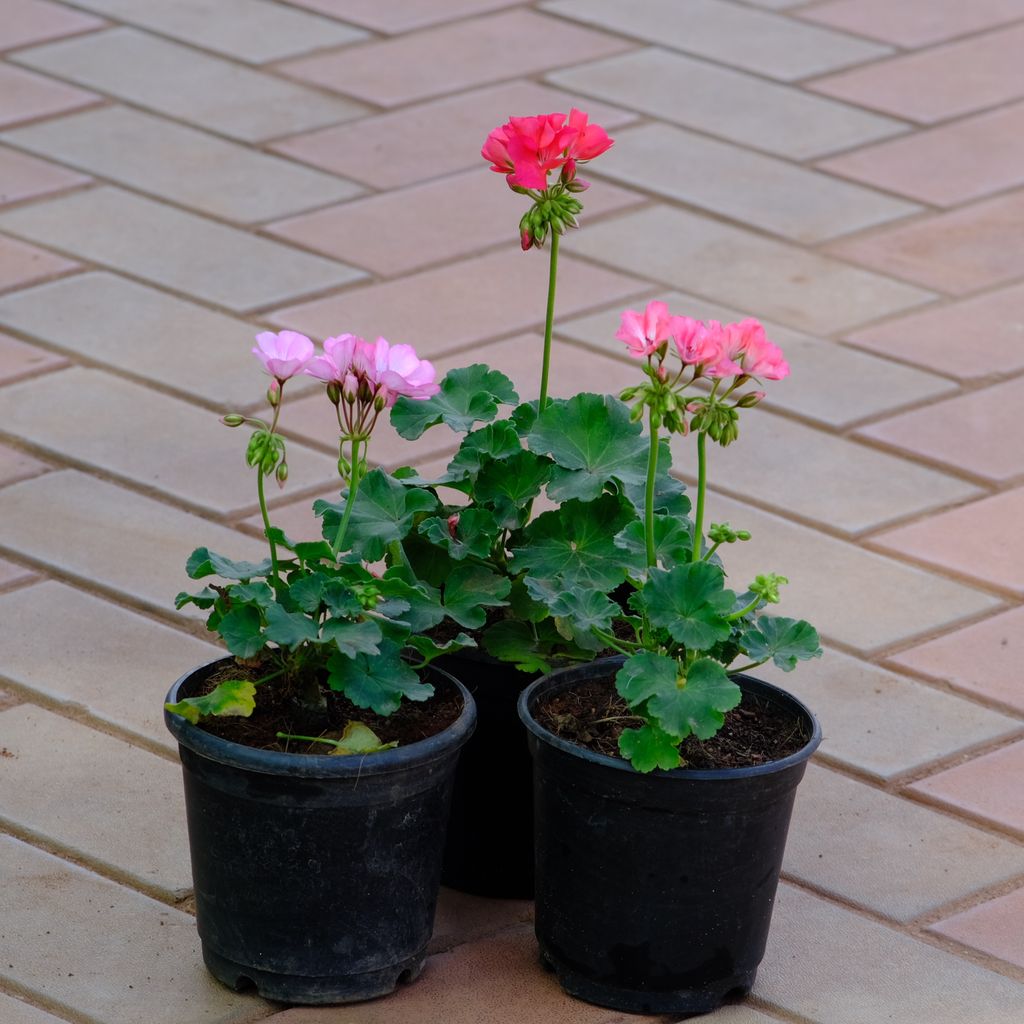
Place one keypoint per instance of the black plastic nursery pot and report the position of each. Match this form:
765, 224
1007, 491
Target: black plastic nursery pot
655, 892
489, 846
316, 876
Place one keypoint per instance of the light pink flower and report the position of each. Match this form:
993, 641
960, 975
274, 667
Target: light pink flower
761, 357
694, 342
730, 341
644, 333
336, 362
284, 354
397, 370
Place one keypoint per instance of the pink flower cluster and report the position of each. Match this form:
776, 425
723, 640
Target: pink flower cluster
527, 149
720, 350
375, 371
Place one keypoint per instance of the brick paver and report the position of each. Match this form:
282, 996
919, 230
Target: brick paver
177, 175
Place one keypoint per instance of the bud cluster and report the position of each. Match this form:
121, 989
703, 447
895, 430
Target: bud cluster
555, 211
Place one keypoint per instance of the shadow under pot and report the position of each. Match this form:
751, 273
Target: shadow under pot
316, 876
655, 891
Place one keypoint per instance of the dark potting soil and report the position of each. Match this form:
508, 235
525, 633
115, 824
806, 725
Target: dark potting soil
592, 715
278, 711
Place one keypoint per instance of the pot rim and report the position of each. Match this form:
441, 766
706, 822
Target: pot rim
563, 678
319, 766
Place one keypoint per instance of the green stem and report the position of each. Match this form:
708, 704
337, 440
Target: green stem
702, 483
714, 547
549, 322
266, 527
615, 643
350, 501
652, 472
746, 668
308, 739
743, 611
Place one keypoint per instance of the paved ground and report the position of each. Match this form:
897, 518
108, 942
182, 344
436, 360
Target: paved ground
176, 175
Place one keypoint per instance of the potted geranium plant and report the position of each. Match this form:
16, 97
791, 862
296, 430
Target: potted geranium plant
666, 775
318, 757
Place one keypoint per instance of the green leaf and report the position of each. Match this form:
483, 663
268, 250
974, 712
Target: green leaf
469, 590
204, 599
232, 697
352, 638
289, 629
358, 738
576, 543
429, 649
422, 603
384, 511
785, 641
308, 592
203, 562
475, 532
379, 681
523, 606
593, 442
495, 441
585, 609
259, 594
690, 601
698, 705
314, 551
242, 631
528, 646
340, 599
669, 493
467, 396
648, 748
672, 542
509, 486
644, 675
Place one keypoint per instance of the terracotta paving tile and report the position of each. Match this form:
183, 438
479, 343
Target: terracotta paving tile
69, 667
17, 465
934, 339
983, 659
125, 325
147, 968
947, 165
18, 360
464, 918
463, 987
737, 267
476, 51
957, 252
90, 548
395, 18
25, 177
11, 574
197, 256
980, 432
993, 927
251, 30
832, 481
882, 723
184, 165
881, 601
34, 21
913, 23
870, 386
22, 264
295, 518
123, 812
441, 309
408, 229
24, 95
757, 41
940, 83
742, 108
830, 965
980, 787
754, 189
430, 139
902, 873
183, 83
176, 448
982, 540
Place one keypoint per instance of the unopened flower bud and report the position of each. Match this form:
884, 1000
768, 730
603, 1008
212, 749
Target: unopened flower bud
232, 420
350, 389
453, 525
282, 474
577, 185
636, 413
525, 240
750, 399
333, 392
274, 394
380, 399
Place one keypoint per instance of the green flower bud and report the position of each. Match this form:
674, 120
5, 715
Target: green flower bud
257, 447
232, 420
282, 473
334, 392
636, 413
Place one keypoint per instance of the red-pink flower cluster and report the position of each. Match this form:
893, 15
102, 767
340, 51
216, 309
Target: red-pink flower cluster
527, 149
720, 350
